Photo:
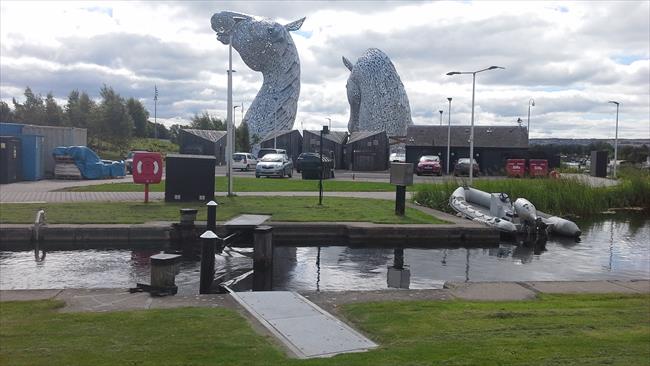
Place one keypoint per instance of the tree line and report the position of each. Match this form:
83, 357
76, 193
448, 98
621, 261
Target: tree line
113, 119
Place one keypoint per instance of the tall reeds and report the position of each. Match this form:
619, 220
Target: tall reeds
565, 196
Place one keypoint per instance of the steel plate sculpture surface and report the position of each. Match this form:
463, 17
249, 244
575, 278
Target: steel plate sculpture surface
377, 98
267, 47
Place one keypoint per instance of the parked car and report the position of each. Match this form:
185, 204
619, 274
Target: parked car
243, 161
274, 165
265, 151
308, 156
429, 164
462, 167
309, 165
128, 160
397, 158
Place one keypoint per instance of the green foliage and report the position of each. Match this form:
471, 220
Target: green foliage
79, 109
139, 115
6, 114
32, 111
113, 122
242, 138
53, 112
207, 122
298, 209
565, 196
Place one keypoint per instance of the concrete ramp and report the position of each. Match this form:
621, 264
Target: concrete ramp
307, 330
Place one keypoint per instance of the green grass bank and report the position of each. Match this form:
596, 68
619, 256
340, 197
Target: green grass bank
561, 197
298, 209
245, 184
552, 330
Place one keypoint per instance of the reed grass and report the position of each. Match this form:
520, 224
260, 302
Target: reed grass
562, 197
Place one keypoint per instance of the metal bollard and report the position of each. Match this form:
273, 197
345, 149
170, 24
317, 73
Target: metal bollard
208, 245
263, 259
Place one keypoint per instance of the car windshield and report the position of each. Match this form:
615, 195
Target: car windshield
272, 158
429, 158
238, 157
465, 161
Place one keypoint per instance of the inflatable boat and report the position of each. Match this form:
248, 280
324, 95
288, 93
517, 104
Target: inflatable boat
497, 211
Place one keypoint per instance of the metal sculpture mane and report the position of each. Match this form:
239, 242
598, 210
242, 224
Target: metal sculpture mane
267, 47
377, 98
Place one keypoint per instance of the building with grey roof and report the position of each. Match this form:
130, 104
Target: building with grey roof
493, 145
290, 140
367, 151
203, 142
333, 143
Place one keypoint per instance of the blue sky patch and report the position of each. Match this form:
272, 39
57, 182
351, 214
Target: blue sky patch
100, 9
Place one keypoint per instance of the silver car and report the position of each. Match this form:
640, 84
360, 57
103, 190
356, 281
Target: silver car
277, 165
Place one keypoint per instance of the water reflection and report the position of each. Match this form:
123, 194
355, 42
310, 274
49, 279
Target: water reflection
615, 248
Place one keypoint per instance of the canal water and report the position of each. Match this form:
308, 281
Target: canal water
614, 247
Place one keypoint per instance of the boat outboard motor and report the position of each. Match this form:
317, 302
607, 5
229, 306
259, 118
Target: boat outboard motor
525, 210
528, 214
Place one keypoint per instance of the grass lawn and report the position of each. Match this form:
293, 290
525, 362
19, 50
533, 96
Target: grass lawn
301, 209
245, 184
553, 330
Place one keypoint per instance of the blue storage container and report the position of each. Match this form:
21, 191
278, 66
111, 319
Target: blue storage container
11, 129
33, 157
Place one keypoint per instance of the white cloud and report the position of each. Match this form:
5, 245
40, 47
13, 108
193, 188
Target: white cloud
571, 57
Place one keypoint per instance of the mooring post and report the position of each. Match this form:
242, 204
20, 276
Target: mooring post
400, 200
263, 258
212, 216
208, 245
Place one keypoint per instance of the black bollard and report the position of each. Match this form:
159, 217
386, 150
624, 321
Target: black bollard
212, 216
400, 200
263, 259
208, 245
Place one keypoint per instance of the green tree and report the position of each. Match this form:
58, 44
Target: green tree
53, 112
6, 114
139, 115
79, 110
207, 122
174, 131
242, 138
112, 121
32, 111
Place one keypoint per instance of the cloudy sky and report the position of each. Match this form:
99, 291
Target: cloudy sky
570, 57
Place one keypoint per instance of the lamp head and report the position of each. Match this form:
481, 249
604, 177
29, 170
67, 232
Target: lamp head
495, 67
614, 102
449, 99
440, 111
453, 73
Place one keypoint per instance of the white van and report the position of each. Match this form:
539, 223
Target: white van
243, 161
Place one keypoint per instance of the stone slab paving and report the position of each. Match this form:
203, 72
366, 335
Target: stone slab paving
301, 326
41, 197
590, 287
28, 295
490, 291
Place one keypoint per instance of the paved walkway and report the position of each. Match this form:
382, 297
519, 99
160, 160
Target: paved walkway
42, 197
304, 328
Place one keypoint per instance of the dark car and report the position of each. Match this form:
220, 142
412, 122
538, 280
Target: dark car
128, 160
462, 167
309, 165
429, 164
264, 151
303, 157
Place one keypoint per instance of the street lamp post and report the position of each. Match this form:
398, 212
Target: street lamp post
155, 107
471, 135
275, 120
531, 103
615, 138
448, 133
234, 130
323, 131
330, 122
440, 117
